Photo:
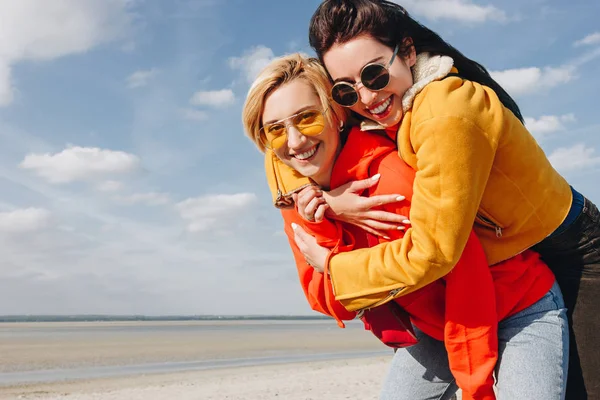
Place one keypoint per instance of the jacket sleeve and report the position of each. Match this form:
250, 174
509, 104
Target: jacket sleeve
454, 159
316, 285
471, 323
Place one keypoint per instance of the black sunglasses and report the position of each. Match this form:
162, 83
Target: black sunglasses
373, 76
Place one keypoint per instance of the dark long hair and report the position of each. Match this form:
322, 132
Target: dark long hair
338, 21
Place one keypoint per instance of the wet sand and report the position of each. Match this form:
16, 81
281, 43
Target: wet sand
211, 347
340, 379
36, 346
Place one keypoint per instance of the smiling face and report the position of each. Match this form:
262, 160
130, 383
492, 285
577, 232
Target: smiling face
345, 61
311, 156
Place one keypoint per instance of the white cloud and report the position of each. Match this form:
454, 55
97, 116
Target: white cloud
44, 30
527, 80
521, 81
591, 39
194, 115
151, 199
24, 220
212, 211
548, 124
80, 164
214, 98
109, 186
137, 260
586, 57
572, 158
252, 61
457, 10
6, 86
141, 78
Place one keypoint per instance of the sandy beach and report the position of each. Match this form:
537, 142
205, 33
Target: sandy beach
190, 360
340, 379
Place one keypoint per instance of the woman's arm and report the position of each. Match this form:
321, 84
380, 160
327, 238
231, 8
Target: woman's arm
345, 204
316, 286
285, 182
454, 158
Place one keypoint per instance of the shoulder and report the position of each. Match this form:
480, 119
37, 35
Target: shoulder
366, 144
368, 139
455, 97
358, 153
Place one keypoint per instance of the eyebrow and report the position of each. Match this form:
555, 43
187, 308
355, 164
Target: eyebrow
347, 79
311, 107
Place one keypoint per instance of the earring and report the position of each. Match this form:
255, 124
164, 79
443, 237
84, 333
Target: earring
341, 128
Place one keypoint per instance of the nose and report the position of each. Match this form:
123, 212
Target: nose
295, 139
366, 96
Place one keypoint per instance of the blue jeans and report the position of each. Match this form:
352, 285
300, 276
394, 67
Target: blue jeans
532, 362
573, 254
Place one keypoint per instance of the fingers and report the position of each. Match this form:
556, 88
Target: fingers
383, 226
383, 199
307, 194
300, 236
358, 186
375, 232
320, 213
303, 241
386, 216
308, 201
311, 209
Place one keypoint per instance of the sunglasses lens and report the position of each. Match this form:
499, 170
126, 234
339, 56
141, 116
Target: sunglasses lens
275, 135
375, 77
310, 123
278, 142
344, 94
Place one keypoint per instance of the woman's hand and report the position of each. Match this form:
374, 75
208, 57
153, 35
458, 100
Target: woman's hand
311, 203
346, 205
314, 254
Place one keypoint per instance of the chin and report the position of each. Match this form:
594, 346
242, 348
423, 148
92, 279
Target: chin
312, 173
393, 119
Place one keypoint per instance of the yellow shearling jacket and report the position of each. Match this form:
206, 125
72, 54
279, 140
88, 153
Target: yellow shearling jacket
476, 164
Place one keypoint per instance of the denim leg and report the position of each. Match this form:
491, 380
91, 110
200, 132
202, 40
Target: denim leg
534, 351
574, 257
419, 372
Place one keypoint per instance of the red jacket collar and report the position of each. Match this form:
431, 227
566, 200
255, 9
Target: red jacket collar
364, 147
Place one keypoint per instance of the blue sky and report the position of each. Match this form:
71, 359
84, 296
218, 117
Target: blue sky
126, 182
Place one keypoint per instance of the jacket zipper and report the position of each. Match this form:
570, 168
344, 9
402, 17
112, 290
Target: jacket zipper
390, 296
490, 224
485, 221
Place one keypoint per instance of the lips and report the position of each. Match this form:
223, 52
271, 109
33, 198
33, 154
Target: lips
380, 107
307, 154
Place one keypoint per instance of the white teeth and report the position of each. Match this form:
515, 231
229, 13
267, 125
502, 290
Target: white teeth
382, 107
307, 154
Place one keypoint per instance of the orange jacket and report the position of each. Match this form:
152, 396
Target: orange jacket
462, 308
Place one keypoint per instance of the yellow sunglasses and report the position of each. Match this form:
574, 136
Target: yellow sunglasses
308, 122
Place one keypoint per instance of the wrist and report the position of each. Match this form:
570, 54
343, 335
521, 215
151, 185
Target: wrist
332, 212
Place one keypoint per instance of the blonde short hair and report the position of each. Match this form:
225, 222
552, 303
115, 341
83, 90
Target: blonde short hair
279, 72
